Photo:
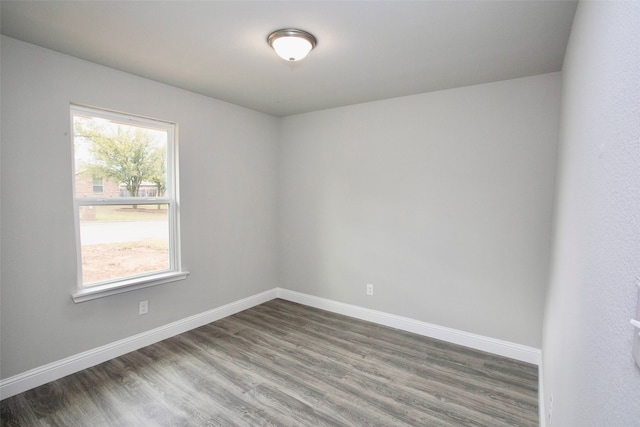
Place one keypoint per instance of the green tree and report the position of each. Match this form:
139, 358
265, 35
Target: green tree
159, 179
128, 155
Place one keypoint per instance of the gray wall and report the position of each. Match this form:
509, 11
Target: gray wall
443, 201
588, 368
228, 179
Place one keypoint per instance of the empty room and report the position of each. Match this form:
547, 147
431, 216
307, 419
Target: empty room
386, 213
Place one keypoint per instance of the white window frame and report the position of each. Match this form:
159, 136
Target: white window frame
170, 198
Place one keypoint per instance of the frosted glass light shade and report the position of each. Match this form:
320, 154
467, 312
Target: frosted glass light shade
291, 48
291, 44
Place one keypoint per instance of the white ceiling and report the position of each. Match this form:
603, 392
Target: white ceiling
367, 50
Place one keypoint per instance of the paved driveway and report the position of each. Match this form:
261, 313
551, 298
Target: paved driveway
122, 231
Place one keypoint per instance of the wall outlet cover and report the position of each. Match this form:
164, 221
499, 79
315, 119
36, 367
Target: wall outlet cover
143, 307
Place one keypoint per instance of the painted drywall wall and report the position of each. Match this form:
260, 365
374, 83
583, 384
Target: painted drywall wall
442, 201
588, 369
228, 160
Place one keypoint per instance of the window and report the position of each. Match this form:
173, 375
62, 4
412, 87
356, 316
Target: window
97, 185
126, 227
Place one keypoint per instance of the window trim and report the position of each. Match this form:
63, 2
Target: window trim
131, 284
170, 198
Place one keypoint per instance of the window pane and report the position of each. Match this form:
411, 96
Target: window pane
97, 185
120, 241
129, 160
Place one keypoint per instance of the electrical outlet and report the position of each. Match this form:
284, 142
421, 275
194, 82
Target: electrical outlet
143, 307
369, 289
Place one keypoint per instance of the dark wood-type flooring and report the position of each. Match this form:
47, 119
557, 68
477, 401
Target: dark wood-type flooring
286, 364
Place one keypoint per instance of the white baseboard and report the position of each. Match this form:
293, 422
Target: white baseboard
478, 342
61, 368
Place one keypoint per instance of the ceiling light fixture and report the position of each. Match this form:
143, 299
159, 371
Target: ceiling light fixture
291, 44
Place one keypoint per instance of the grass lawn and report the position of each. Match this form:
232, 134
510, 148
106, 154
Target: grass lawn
123, 213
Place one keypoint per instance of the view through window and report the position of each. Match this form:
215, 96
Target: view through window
124, 196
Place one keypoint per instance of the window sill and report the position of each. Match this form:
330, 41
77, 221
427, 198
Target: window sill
127, 285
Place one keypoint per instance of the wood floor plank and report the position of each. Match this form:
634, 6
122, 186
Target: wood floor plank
398, 353
285, 364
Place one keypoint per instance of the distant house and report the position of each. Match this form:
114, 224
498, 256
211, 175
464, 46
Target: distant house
89, 186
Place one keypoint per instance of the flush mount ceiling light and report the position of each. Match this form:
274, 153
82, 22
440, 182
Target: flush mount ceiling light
291, 44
